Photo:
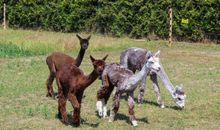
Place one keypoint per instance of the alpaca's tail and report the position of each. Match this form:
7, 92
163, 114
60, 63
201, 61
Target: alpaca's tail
124, 59
50, 64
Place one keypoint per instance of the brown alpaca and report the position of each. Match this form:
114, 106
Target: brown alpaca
71, 83
57, 59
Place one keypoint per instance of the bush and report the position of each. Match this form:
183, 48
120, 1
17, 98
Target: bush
136, 18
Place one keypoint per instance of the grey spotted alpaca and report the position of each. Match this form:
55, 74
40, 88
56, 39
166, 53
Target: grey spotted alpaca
125, 81
134, 59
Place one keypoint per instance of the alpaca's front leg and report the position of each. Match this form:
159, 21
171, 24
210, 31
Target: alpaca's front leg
62, 109
76, 107
141, 91
131, 109
100, 107
153, 78
103, 95
115, 106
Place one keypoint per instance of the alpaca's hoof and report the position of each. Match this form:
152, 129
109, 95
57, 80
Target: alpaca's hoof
134, 123
162, 106
76, 124
110, 120
59, 115
140, 103
65, 121
48, 95
105, 115
104, 111
100, 114
56, 97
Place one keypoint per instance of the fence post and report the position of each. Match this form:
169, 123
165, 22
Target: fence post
4, 16
170, 25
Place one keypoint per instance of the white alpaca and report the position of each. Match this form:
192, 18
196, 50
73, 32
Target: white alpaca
134, 59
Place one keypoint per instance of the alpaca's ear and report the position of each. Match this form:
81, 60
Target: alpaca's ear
157, 54
178, 88
92, 59
105, 57
88, 37
149, 54
78, 37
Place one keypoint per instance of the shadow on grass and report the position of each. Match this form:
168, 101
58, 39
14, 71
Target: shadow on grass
144, 101
148, 102
120, 116
175, 108
83, 122
157, 105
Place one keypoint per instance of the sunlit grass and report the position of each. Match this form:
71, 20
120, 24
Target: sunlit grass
24, 105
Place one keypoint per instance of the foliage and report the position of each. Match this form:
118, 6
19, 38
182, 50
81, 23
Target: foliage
138, 18
9, 50
26, 49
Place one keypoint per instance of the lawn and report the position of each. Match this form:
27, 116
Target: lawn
23, 72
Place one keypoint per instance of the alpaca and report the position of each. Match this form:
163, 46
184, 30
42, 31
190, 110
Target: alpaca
57, 59
126, 82
134, 59
71, 83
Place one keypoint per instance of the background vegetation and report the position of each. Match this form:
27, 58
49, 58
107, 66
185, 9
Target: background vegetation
24, 105
136, 18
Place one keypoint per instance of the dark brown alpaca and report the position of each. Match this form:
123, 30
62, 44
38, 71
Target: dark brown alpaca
71, 83
57, 59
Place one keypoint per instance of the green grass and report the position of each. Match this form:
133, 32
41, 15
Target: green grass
23, 104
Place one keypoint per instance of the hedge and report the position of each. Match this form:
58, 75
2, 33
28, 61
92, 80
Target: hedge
136, 18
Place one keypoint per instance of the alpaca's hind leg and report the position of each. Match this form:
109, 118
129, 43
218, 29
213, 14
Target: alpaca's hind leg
141, 91
62, 109
76, 106
115, 106
131, 109
153, 78
49, 84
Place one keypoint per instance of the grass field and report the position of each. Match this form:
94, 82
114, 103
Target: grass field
23, 72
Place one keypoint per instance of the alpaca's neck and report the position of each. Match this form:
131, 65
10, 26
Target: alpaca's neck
138, 77
89, 79
80, 57
163, 76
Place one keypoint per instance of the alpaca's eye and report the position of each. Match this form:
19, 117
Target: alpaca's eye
151, 62
179, 99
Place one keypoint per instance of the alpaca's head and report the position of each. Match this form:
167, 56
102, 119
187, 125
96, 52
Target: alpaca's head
84, 42
153, 61
179, 96
98, 65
